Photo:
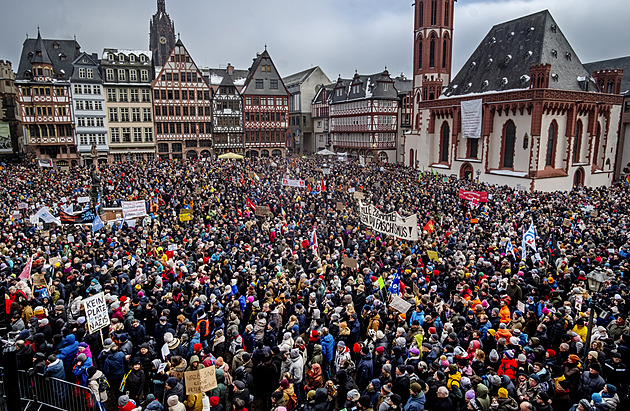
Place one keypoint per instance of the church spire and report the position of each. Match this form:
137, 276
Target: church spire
161, 6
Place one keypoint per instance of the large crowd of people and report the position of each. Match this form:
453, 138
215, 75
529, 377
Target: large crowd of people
291, 323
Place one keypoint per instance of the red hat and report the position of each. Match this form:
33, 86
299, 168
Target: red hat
372, 278
551, 353
314, 334
123, 298
197, 347
356, 347
380, 349
214, 401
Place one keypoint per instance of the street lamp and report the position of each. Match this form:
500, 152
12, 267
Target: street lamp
596, 280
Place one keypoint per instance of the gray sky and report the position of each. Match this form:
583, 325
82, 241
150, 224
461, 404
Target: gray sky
338, 35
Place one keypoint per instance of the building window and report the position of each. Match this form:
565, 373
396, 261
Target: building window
509, 141
110, 56
144, 75
81, 73
433, 12
176, 147
146, 114
148, 134
259, 84
122, 75
577, 144
122, 94
134, 95
444, 53
126, 135
444, 142
273, 84
87, 89
118, 158
113, 115
137, 135
135, 114
473, 147
111, 94
432, 51
146, 96
551, 144
90, 73
124, 114
114, 134
447, 9
162, 147
109, 74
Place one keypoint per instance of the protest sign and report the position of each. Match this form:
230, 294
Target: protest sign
340, 206
480, 196
165, 351
352, 189
349, 262
38, 279
133, 209
45, 162
433, 255
358, 195
520, 306
389, 223
172, 247
399, 304
208, 378
262, 211
96, 314
81, 200
293, 183
22, 205
193, 382
566, 222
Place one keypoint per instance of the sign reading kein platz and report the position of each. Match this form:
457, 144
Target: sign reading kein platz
96, 314
389, 223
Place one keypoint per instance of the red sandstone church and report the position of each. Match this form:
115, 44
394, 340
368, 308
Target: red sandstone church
522, 111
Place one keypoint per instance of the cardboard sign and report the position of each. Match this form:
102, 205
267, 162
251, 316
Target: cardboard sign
358, 195
566, 222
349, 262
433, 255
340, 206
96, 314
594, 213
416, 290
399, 304
262, 211
38, 279
200, 381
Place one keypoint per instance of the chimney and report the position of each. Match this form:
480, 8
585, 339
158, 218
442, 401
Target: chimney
230, 68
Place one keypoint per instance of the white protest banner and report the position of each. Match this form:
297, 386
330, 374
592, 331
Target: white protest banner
471, 118
22, 205
389, 223
165, 351
133, 209
44, 162
96, 314
34, 219
162, 367
83, 200
520, 306
172, 247
70, 238
293, 183
399, 304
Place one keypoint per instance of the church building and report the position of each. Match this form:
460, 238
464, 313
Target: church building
522, 111
161, 35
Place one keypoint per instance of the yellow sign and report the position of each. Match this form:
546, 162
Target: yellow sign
433, 255
185, 217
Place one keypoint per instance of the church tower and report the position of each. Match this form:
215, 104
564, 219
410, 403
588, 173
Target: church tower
432, 52
161, 35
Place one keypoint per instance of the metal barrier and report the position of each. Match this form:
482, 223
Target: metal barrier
54, 393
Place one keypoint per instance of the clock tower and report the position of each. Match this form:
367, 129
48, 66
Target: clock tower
161, 35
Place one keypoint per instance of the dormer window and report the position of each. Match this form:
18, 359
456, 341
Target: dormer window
121, 57
143, 58
110, 57
385, 87
55, 45
132, 58
30, 55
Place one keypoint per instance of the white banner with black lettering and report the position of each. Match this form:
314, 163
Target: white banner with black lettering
389, 223
471, 118
96, 314
133, 209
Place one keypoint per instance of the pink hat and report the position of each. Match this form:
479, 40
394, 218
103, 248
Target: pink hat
250, 299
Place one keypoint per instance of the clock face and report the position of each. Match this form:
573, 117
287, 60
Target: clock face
163, 40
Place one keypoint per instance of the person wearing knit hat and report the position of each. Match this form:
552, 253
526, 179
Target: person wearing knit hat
503, 393
470, 395
214, 402
584, 405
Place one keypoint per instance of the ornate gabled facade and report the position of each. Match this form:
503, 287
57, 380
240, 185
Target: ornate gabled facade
364, 116
183, 108
227, 108
127, 76
43, 81
88, 108
10, 116
266, 110
161, 35
543, 124
321, 117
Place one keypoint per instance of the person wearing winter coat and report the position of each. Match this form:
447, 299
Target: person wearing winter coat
609, 396
328, 351
68, 352
417, 400
93, 384
174, 388
127, 404
174, 404
508, 365
194, 402
296, 369
365, 369
54, 368
134, 385
506, 403
591, 381
114, 368
314, 378
80, 368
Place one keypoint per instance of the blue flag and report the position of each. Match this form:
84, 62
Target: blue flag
509, 249
394, 288
97, 224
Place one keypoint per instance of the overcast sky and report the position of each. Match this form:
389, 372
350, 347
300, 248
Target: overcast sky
341, 36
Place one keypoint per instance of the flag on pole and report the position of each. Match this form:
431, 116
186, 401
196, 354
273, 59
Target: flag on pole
429, 227
239, 212
256, 176
282, 212
394, 288
381, 283
627, 180
509, 249
314, 242
26, 272
529, 240
250, 204
97, 224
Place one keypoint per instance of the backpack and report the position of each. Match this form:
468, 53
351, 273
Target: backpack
103, 384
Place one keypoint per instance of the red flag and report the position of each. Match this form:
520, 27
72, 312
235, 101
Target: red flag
322, 187
243, 180
429, 227
239, 212
309, 187
26, 272
250, 204
314, 242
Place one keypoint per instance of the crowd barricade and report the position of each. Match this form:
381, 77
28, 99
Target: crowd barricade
37, 391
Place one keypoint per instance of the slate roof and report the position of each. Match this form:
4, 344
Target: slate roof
300, 77
403, 85
220, 77
371, 87
616, 63
92, 61
55, 50
502, 60
255, 72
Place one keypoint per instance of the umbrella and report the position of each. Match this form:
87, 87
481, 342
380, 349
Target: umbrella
231, 155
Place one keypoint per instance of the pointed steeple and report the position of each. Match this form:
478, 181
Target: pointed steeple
161, 5
41, 55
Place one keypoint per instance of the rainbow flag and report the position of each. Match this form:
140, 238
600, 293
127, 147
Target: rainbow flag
627, 180
256, 176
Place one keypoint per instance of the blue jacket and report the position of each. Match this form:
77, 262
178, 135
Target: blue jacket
55, 370
328, 347
115, 366
365, 370
415, 403
81, 371
69, 351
